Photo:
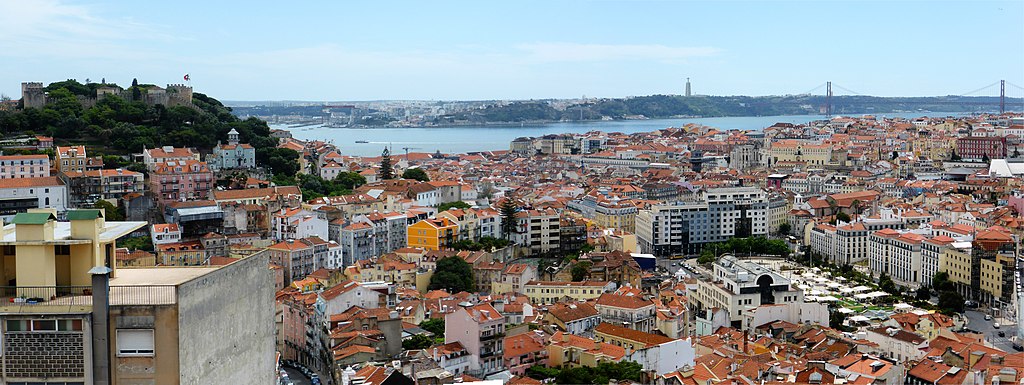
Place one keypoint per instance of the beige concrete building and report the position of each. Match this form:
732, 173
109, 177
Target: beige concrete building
83, 320
541, 292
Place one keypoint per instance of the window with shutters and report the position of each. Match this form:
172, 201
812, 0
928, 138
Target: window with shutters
135, 342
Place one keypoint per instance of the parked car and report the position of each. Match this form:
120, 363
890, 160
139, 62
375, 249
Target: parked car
988, 317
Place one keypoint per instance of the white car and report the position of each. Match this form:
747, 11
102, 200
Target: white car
996, 325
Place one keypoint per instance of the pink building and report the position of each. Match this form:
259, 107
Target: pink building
181, 180
525, 350
481, 330
292, 316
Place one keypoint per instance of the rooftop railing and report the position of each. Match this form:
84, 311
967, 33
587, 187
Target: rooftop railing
79, 298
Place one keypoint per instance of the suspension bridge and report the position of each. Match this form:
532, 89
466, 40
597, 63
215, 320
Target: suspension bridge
971, 98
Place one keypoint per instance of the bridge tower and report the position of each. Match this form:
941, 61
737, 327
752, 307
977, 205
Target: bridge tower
1002, 96
828, 100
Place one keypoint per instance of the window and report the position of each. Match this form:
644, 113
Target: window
135, 342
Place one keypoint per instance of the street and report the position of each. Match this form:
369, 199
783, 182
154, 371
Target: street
296, 377
978, 323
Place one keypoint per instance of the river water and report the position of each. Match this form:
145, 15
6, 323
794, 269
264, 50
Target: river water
462, 139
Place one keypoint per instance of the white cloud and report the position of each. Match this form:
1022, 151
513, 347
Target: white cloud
51, 28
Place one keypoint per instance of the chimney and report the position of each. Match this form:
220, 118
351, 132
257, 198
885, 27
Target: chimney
565, 337
100, 328
974, 358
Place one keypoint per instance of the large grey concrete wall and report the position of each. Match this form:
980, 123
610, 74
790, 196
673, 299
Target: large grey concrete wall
226, 325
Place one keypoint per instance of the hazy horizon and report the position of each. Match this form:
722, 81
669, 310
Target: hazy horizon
465, 51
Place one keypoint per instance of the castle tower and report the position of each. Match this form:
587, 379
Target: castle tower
687, 86
33, 95
179, 95
233, 137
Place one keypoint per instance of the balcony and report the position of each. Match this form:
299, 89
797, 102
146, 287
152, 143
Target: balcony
488, 354
30, 299
487, 336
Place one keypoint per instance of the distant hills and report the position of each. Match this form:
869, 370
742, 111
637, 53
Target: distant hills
669, 106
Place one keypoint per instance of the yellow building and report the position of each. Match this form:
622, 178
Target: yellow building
466, 219
433, 234
991, 278
541, 292
957, 263
790, 150
627, 338
402, 274
71, 159
570, 351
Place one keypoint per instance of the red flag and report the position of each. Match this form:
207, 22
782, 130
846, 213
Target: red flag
186, 77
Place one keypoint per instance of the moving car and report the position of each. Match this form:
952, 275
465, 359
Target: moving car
996, 325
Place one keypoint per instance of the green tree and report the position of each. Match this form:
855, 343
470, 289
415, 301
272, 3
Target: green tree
386, 172
417, 341
951, 302
923, 294
954, 156
452, 205
541, 372
136, 243
842, 217
111, 212
941, 282
886, 284
509, 223
581, 270
349, 180
836, 320
453, 274
417, 174
784, 228
433, 325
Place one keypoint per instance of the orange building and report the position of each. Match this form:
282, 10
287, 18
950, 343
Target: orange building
433, 234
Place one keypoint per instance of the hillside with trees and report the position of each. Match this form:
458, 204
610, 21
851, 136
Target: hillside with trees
669, 106
116, 126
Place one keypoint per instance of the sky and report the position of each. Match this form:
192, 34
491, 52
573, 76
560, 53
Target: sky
485, 50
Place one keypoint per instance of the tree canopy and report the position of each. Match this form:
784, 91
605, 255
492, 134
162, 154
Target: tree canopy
453, 274
386, 172
116, 126
417, 174
313, 186
484, 244
508, 211
581, 270
433, 325
452, 205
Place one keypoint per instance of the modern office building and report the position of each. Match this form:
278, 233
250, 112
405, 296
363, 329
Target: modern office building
683, 228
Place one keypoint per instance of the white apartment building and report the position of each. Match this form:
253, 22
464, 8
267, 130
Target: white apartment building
847, 243
538, 231
683, 228
898, 254
19, 195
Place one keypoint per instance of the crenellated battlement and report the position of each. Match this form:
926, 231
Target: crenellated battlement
33, 95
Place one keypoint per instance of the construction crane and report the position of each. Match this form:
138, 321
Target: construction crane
407, 152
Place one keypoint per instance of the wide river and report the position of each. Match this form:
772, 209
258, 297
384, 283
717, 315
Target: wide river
464, 139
